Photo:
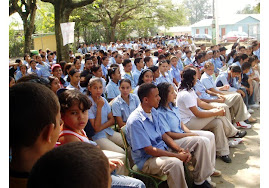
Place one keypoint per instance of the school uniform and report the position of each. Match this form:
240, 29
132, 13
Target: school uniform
165, 78
142, 131
44, 69
111, 61
180, 65
208, 81
112, 90
104, 70
107, 138
237, 63
19, 75
176, 74
72, 87
37, 71
130, 77
217, 64
136, 75
121, 109
257, 53
187, 61
231, 60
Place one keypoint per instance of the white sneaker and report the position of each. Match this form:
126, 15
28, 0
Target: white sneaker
239, 140
250, 111
242, 125
254, 105
233, 143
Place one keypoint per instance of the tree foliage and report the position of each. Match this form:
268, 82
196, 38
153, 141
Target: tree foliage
197, 9
44, 21
248, 9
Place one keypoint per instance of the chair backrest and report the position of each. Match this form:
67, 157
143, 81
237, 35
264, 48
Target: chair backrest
126, 146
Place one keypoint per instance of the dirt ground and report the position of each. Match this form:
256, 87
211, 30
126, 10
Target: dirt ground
244, 171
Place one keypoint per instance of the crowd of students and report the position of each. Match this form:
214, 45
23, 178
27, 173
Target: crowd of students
177, 106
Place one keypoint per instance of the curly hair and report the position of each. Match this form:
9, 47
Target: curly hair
187, 81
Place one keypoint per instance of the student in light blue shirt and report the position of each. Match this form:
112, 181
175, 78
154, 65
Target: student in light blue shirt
34, 69
139, 67
164, 77
101, 119
127, 65
230, 57
216, 61
104, 65
125, 103
74, 79
175, 71
188, 59
22, 72
97, 72
149, 142
43, 66
114, 76
156, 74
146, 76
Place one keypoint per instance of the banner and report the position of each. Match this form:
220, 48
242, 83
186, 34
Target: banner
68, 32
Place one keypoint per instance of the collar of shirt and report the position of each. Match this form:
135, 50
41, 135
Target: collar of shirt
121, 100
144, 115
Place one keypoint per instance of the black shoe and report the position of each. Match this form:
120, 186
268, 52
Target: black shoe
247, 121
226, 158
204, 185
240, 134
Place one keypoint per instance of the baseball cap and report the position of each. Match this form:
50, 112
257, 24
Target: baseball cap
54, 66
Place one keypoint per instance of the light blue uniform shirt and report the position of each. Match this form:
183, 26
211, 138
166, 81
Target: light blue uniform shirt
141, 132
176, 73
104, 70
72, 87
187, 61
180, 65
121, 109
164, 79
170, 119
207, 81
104, 114
112, 90
217, 64
257, 53
237, 63
44, 69
136, 75
201, 88
131, 78
223, 79
37, 71
231, 60
19, 75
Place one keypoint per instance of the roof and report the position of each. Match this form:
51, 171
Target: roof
228, 20
176, 29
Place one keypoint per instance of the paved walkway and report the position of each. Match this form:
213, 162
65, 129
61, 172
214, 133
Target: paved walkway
244, 171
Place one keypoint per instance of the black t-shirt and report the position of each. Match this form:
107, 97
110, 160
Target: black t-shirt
244, 81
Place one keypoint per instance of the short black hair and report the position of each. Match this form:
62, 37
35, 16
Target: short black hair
137, 60
70, 97
246, 66
32, 106
144, 90
126, 61
79, 164
236, 69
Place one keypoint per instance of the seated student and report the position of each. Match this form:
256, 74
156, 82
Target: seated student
97, 72
43, 67
114, 76
175, 71
148, 62
188, 59
139, 67
101, 119
256, 70
56, 71
125, 103
180, 65
149, 143
87, 67
156, 74
22, 72
67, 68
54, 84
33, 68
201, 142
31, 138
73, 79
233, 103
208, 119
230, 57
54, 166
104, 64
127, 66
240, 59
146, 76
217, 62
164, 76
77, 64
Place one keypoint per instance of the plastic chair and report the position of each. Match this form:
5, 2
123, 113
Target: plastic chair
157, 180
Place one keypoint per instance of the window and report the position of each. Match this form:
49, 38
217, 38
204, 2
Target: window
240, 28
197, 31
223, 31
206, 31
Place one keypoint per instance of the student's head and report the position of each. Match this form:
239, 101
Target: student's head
246, 67
235, 71
68, 67
95, 87
11, 81
163, 66
167, 94
173, 61
156, 72
50, 58
32, 64
77, 64
105, 60
125, 87
54, 83
188, 54
243, 58
146, 76
97, 71
79, 164
209, 68
188, 78
34, 121
139, 63
114, 74
74, 109
56, 71
118, 58
74, 77
242, 49
148, 61
127, 65
149, 95
249, 50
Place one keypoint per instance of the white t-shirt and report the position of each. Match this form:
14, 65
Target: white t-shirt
185, 100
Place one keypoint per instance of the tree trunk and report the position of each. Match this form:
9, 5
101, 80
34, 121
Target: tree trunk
61, 16
110, 33
27, 38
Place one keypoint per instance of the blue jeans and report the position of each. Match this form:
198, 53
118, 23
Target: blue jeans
119, 181
248, 99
